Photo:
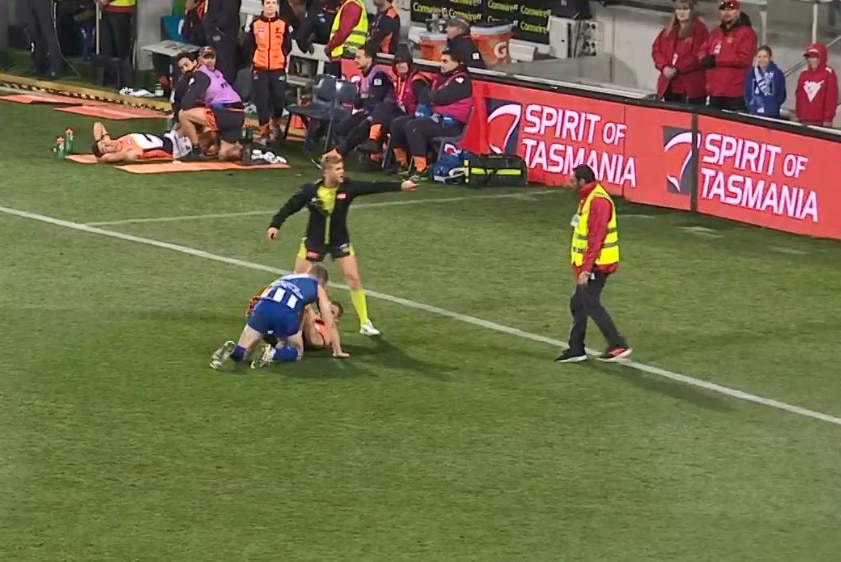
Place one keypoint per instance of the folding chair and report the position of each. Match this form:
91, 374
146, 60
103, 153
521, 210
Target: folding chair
441, 141
323, 96
346, 92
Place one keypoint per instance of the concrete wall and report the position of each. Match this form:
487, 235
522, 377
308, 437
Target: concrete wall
627, 34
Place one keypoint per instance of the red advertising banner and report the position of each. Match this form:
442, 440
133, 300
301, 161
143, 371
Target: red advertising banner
632, 149
769, 178
553, 133
747, 173
660, 142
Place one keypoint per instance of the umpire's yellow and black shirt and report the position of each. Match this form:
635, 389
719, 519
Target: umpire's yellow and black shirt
328, 207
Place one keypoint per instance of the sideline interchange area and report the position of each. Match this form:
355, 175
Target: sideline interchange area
454, 436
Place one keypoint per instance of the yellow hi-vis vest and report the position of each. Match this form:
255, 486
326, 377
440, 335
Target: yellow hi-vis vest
356, 39
609, 253
123, 3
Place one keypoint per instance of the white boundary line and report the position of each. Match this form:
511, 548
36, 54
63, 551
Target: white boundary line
651, 370
525, 195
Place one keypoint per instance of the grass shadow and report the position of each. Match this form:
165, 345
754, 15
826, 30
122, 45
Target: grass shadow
664, 387
364, 361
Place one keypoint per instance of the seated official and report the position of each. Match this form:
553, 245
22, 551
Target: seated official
448, 102
210, 104
409, 86
375, 87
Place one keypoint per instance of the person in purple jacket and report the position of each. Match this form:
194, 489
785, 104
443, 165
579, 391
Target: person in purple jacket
443, 111
211, 104
765, 86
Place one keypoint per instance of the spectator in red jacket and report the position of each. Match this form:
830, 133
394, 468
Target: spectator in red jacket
727, 55
675, 53
817, 89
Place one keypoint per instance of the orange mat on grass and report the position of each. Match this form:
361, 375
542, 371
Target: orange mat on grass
113, 112
81, 158
168, 167
172, 167
43, 98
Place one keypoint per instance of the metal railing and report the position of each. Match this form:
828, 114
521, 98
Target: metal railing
802, 63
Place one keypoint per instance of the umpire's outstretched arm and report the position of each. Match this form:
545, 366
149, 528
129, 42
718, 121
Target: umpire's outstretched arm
357, 188
294, 204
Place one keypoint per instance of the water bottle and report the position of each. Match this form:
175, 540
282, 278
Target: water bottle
69, 137
159, 90
59, 150
433, 25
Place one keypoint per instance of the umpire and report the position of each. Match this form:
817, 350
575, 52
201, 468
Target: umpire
594, 255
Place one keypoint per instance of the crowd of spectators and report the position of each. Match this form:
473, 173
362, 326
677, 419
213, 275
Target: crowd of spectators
724, 68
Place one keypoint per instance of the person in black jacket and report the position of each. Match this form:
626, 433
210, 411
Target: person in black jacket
384, 31
316, 26
193, 28
462, 45
409, 87
328, 201
46, 54
221, 29
187, 64
374, 88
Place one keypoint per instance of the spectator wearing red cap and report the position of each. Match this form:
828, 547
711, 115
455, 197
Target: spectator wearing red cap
675, 53
727, 55
817, 89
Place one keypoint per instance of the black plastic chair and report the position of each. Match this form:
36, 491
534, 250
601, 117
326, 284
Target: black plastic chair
319, 109
441, 141
345, 96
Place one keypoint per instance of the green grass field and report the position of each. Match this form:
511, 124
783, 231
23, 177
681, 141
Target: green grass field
454, 437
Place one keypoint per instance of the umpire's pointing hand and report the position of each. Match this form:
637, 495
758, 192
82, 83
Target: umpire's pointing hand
271, 234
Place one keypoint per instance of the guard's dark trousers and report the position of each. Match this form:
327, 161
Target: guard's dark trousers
586, 303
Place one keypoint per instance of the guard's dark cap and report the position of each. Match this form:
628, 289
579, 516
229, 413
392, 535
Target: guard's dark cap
584, 173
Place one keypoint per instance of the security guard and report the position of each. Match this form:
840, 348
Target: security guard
595, 257
328, 201
117, 40
350, 28
268, 44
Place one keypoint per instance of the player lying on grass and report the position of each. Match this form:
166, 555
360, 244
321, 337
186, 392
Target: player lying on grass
136, 147
313, 328
278, 314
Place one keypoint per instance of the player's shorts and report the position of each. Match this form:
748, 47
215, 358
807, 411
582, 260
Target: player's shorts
317, 252
226, 122
270, 317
